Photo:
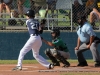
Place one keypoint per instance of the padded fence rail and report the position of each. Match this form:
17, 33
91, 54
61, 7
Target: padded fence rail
12, 42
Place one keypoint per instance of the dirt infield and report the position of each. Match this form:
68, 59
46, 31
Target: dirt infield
37, 69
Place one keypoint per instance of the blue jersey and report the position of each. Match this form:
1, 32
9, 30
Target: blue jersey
33, 26
85, 32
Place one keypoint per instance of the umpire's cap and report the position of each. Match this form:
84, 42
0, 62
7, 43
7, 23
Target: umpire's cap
30, 13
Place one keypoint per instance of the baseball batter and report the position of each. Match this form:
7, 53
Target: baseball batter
34, 42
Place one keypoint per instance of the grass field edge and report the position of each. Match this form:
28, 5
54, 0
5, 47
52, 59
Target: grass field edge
34, 61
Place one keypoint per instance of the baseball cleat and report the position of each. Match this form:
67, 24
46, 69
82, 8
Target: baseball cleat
17, 68
82, 64
66, 65
97, 64
56, 64
51, 66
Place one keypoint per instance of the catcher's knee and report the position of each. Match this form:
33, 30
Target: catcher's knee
56, 53
47, 51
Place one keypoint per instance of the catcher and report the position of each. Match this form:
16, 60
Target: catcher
60, 51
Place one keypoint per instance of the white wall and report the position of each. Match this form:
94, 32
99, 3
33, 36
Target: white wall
65, 4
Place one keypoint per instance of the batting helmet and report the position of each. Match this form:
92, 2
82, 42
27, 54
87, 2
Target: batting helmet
30, 13
56, 31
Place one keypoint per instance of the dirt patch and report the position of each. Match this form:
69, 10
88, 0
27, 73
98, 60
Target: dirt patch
37, 69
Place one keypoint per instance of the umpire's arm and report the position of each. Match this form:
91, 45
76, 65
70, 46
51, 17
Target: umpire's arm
78, 43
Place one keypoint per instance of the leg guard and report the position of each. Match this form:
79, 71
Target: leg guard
52, 58
62, 59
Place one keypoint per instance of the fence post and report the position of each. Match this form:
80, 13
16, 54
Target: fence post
71, 16
47, 18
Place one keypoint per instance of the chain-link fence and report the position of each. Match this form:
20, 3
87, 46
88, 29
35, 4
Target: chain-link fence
62, 13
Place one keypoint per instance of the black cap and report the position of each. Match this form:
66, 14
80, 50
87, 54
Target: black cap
81, 17
30, 13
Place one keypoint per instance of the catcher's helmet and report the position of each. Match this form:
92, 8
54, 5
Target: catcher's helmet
30, 13
56, 31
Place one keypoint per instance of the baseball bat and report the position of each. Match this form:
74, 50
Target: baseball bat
43, 21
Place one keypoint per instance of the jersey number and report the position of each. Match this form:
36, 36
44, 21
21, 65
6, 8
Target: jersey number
34, 26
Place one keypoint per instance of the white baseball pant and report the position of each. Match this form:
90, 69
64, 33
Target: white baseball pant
34, 43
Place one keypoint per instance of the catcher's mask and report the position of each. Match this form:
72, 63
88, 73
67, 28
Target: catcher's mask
57, 33
80, 20
30, 13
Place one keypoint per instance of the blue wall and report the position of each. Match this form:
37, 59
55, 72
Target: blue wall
12, 42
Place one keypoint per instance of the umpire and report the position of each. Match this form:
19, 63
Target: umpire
60, 51
89, 40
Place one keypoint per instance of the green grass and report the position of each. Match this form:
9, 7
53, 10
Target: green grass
75, 61
15, 61
34, 61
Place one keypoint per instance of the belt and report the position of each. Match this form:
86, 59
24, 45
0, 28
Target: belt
96, 39
34, 34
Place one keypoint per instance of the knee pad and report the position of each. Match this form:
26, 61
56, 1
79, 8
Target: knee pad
47, 51
55, 53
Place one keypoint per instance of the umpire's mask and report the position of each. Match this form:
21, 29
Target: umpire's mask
81, 19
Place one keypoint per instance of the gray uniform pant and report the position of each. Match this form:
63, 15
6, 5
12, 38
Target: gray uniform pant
93, 49
66, 55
